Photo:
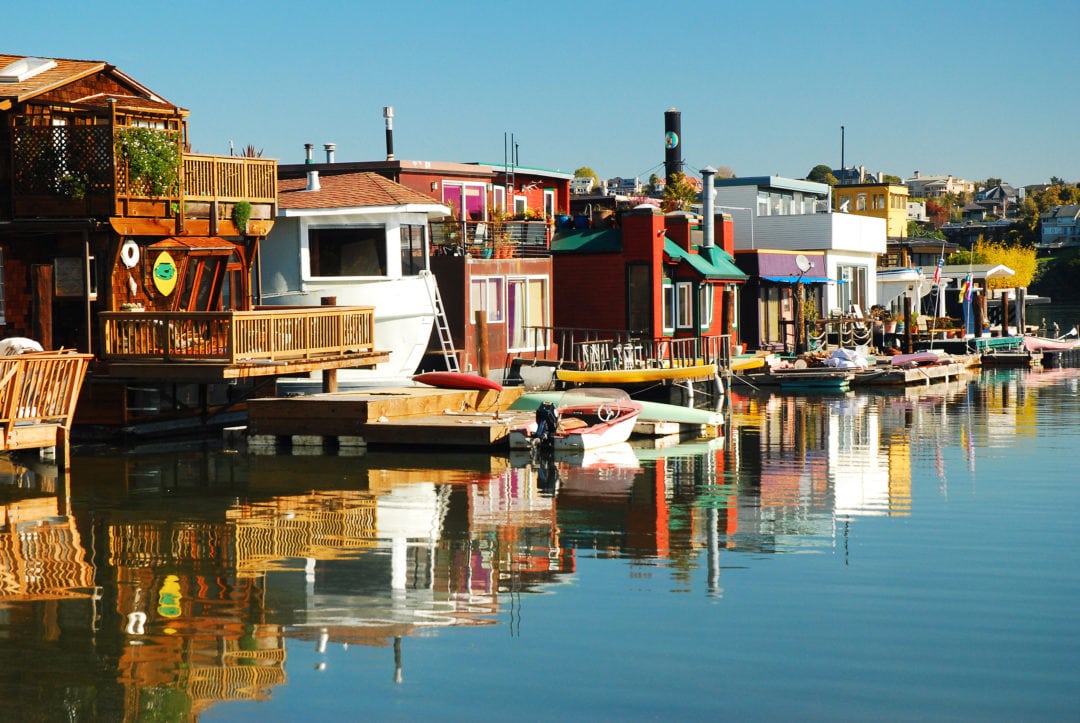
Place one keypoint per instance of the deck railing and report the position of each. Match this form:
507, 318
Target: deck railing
267, 334
596, 349
491, 239
39, 388
76, 170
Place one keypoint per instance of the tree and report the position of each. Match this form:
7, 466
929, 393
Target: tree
991, 182
586, 172
821, 173
890, 178
1019, 259
938, 214
1057, 181
917, 230
678, 194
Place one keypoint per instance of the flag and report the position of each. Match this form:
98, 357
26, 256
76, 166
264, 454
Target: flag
937, 271
970, 288
964, 289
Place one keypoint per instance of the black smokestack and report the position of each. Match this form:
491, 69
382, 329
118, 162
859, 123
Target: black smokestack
388, 114
672, 143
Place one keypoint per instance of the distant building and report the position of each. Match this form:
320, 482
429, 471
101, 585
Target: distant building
623, 186
920, 186
582, 185
1001, 201
1060, 227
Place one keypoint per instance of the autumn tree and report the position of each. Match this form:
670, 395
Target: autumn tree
938, 214
1019, 259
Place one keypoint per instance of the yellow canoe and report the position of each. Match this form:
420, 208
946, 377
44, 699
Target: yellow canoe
754, 361
615, 377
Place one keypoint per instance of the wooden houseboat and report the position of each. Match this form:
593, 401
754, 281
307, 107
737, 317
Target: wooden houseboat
118, 241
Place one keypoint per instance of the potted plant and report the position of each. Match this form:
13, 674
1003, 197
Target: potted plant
884, 316
241, 213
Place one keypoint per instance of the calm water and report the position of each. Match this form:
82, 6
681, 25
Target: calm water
910, 555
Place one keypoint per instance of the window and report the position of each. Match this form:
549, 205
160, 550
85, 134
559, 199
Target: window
521, 205
526, 306
347, 251
705, 305
879, 200
413, 257
486, 294
860, 202
684, 306
549, 202
498, 198
469, 200
669, 307
852, 288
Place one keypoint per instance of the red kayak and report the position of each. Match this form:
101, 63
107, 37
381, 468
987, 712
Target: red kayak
457, 380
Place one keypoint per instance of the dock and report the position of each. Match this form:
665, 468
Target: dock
421, 417
418, 416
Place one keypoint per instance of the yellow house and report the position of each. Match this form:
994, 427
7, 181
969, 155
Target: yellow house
880, 200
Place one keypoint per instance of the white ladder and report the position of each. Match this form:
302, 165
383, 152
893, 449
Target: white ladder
441, 323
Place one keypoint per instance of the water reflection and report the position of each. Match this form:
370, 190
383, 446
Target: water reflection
161, 581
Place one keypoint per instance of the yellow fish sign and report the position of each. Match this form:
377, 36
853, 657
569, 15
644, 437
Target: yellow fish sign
164, 273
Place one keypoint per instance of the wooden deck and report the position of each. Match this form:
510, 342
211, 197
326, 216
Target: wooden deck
412, 416
209, 347
38, 393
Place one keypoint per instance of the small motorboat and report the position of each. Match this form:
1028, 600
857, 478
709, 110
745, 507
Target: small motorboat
579, 421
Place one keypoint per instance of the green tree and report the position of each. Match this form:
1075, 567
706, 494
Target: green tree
821, 173
586, 172
918, 230
890, 178
678, 194
991, 182
1057, 181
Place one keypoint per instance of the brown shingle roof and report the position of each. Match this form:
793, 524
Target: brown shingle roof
348, 190
65, 72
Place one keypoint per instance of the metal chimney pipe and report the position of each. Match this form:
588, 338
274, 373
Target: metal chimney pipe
308, 148
388, 114
673, 162
709, 230
313, 181
329, 148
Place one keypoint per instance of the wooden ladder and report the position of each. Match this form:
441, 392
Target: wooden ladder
441, 323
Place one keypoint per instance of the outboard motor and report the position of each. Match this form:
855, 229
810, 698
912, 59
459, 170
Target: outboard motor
547, 421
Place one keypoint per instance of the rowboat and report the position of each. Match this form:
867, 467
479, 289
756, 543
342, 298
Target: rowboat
650, 411
579, 422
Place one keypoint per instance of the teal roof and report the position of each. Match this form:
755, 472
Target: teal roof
711, 262
587, 241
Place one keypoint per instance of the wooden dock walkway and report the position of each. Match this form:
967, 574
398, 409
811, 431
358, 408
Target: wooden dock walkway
410, 416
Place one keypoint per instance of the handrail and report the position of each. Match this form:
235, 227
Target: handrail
40, 388
595, 349
236, 337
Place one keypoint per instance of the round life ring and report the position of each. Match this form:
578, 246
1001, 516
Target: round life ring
129, 253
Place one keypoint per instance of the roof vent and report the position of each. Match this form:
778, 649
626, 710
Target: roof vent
24, 69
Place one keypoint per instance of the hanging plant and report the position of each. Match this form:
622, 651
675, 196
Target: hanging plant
153, 159
241, 212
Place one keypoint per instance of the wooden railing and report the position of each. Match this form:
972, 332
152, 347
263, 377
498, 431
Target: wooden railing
76, 170
229, 178
39, 388
267, 334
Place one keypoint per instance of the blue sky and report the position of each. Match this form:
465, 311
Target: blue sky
975, 89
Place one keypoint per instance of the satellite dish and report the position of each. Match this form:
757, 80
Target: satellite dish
803, 263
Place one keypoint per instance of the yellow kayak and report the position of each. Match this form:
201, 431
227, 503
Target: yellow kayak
615, 377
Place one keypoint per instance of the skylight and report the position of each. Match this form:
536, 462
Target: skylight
24, 69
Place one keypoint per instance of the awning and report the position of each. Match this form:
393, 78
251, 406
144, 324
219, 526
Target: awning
194, 243
711, 262
798, 279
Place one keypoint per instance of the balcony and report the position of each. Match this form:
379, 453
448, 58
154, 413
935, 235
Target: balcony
77, 172
219, 345
491, 239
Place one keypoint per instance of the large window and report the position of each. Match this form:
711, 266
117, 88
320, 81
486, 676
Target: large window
852, 288
705, 305
413, 257
486, 294
469, 200
526, 306
347, 251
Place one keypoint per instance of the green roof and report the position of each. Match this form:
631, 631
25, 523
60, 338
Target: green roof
587, 241
711, 262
